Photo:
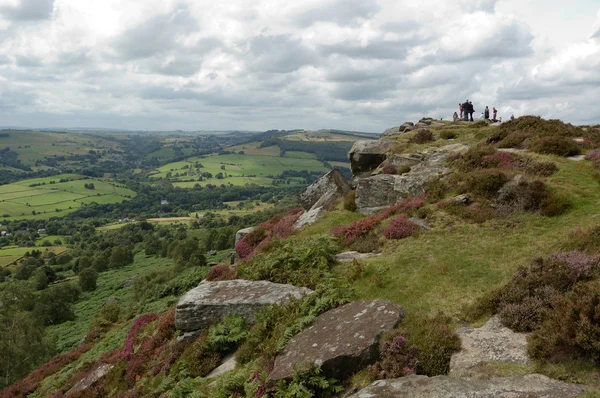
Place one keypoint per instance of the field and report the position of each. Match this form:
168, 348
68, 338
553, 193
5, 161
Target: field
47, 197
239, 208
36, 145
237, 169
10, 254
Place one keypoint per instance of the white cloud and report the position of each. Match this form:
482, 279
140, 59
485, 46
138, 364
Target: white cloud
260, 64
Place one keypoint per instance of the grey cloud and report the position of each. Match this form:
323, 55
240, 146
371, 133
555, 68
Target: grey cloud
342, 12
278, 54
5, 59
28, 10
156, 35
376, 89
28, 61
381, 49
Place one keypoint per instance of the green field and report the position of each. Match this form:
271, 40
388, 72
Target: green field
49, 197
236, 168
10, 254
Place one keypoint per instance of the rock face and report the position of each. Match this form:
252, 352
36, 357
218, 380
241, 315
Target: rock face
413, 386
211, 301
243, 232
395, 131
348, 257
89, 380
490, 343
325, 191
308, 218
378, 191
366, 155
342, 340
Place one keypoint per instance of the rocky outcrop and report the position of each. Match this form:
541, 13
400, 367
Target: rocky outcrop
327, 190
366, 155
413, 386
378, 191
308, 218
211, 301
228, 364
239, 235
490, 343
341, 341
348, 257
90, 379
397, 130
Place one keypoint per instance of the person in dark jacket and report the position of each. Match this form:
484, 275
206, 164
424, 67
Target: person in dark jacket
465, 107
471, 110
486, 113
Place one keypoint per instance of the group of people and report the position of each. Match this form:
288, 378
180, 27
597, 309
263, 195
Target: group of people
466, 110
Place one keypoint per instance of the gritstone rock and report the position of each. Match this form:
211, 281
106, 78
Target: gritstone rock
308, 218
366, 155
90, 379
490, 343
211, 301
395, 131
325, 191
413, 386
348, 257
243, 232
342, 340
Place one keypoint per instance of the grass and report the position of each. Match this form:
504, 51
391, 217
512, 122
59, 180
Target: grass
49, 197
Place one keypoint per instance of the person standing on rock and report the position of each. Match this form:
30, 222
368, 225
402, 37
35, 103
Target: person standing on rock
495, 114
487, 112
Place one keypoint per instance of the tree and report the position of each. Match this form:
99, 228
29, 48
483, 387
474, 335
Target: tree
41, 280
54, 305
188, 253
120, 257
87, 279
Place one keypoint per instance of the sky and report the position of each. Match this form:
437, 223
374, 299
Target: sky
362, 65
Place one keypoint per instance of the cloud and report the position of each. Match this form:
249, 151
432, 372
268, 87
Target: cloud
341, 12
28, 10
278, 54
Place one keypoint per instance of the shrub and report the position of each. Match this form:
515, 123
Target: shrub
572, 329
87, 279
516, 139
422, 136
485, 182
587, 241
434, 340
397, 358
350, 201
448, 135
473, 159
554, 145
523, 195
367, 244
554, 204
503, 160
542, 169
437, 190
593, 156
400, 227
301, 263
221, 273
389, 169
110, 312
356, 229
541, 127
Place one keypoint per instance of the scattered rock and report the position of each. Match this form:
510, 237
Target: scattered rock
189, 336
413, 386
226, 365
211, 301
395, 131
129, 281
511, 150
342, 340
490, 343
90, 379
110, 301
348, 257
243, 232
212, 264
308, 218
325, 191
464, 199
421, 223
366, 155
579, 139
577, 158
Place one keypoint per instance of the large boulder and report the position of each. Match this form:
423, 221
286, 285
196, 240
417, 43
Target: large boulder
366, 155
210, 301
325, 191
413, 386
341, 341
239, 235
492, 342
88, 381
397, 130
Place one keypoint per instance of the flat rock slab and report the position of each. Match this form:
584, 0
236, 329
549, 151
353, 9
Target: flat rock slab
90, 379
348, 257
228, 364
243, 232
342, 340
413, 386
210, 301
577, 158
490, 343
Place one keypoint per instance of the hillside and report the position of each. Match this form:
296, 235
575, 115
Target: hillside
452, 229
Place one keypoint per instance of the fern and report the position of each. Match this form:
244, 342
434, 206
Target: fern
308, 383
227, 334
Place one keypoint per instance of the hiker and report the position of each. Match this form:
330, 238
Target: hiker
465, 108
455, 116
460, 108
512, 117
471, 110
482, 117
487, 112
495, 113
